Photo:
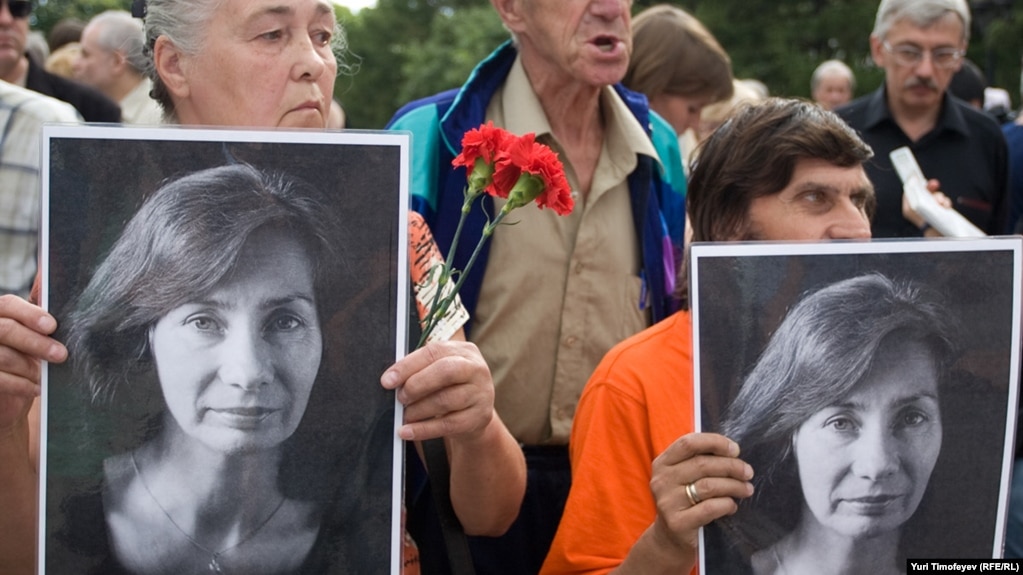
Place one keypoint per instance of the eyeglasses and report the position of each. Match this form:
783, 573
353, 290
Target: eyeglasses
906, 55
18, 8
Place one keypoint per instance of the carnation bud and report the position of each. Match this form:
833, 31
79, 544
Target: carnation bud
481, 176
525, 190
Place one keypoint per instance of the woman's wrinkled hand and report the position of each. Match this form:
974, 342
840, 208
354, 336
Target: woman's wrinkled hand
24, 340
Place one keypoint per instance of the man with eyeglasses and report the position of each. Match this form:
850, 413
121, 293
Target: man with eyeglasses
920, 44
18, 69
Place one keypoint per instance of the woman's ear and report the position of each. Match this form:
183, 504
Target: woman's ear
169, 66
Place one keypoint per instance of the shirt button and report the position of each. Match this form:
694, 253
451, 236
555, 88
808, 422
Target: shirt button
570, 341
579, 267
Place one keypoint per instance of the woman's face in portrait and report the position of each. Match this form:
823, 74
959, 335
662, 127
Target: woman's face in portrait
263, 63
236, 365
864, 462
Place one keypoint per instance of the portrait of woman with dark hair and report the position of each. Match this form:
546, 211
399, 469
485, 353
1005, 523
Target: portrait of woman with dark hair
203, 331
841, 418
871, 387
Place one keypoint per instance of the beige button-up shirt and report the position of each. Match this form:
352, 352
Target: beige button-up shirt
559, 291
138, 108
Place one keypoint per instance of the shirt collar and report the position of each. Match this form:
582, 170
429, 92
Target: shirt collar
949, 118
624, 132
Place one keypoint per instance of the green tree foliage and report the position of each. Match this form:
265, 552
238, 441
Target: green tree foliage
407, 49
378, 41
780, 43
997, 43
412, 48
48, 12
457, 42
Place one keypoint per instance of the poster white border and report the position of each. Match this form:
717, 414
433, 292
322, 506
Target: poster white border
702, 251
399, 140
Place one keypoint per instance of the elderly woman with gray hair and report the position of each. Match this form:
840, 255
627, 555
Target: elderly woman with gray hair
263, 63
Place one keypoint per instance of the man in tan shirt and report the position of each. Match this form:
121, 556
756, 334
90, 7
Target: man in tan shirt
555, 293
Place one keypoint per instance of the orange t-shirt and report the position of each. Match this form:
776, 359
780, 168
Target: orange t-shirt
637, 402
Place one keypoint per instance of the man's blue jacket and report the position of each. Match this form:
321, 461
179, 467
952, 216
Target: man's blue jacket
657, 191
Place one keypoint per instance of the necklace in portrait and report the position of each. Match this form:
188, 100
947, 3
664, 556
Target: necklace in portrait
214, 564
777, 559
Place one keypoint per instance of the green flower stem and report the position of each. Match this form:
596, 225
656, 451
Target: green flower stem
441, 305
488, 231
470, 197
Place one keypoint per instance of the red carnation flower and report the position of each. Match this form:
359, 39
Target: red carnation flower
546, 182
510, 162
506, 166
556, 194
481, 143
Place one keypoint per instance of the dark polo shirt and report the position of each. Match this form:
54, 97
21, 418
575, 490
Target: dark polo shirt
90, 103
966, 152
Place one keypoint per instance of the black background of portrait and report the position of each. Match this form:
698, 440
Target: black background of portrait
744, 299
344, 445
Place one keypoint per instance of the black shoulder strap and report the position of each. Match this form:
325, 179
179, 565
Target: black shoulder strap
440, 484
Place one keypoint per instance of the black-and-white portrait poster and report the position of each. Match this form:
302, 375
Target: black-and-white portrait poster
873, 389
229, 300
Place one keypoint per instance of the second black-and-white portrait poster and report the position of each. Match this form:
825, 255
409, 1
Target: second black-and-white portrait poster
229, 300
872, 387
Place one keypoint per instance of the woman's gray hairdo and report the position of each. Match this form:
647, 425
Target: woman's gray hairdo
185, 24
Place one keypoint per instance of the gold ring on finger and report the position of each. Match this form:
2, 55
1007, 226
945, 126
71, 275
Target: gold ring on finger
694, 497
